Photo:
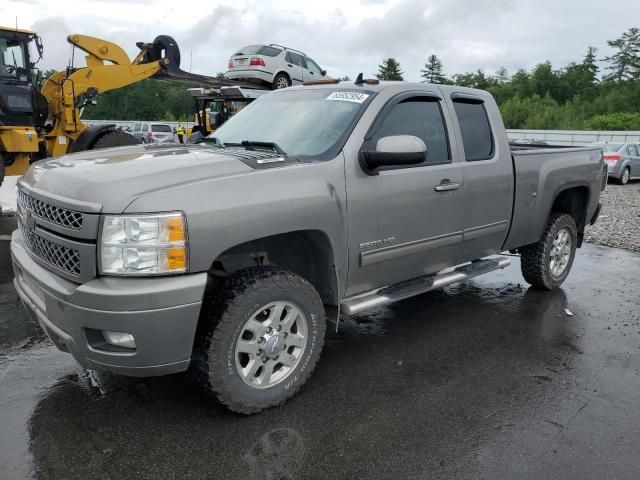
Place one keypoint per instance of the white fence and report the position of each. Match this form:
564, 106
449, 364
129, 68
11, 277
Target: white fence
573, 137
556, 137
130, 123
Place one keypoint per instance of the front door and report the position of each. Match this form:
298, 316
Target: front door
405, 221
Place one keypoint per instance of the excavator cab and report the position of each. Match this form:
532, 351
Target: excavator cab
23, 109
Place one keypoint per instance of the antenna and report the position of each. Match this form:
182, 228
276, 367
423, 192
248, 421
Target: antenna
359, 79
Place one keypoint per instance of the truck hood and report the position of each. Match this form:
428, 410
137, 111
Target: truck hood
114, 177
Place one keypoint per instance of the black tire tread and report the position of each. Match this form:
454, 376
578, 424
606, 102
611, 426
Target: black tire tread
115, 138
533, 258
223, 306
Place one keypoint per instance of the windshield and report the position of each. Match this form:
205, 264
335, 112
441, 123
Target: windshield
300, 122
13, 60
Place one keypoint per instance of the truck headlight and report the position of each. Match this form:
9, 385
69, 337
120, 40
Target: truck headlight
143, 244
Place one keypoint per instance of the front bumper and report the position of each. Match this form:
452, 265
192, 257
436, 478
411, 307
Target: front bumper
161, 313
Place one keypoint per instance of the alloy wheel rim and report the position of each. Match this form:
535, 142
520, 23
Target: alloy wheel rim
271, 344
282, 83
560, 253
625, 176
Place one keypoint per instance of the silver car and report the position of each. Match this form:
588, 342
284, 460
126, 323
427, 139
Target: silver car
153, 133
623, 160
275, 65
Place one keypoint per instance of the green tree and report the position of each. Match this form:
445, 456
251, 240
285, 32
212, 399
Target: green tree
389, 70
625, 61
432, 72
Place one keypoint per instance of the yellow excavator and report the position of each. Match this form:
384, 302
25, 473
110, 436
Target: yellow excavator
38, 124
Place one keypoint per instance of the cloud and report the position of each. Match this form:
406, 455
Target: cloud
351, 37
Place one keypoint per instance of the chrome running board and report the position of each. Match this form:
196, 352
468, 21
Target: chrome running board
416, 286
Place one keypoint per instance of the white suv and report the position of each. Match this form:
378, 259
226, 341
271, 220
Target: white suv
273, 64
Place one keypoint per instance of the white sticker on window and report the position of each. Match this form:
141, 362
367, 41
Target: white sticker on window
355, 97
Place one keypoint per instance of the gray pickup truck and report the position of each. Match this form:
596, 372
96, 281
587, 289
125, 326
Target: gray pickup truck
228, 257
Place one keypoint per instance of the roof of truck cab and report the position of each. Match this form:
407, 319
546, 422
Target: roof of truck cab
383, 85
17, 30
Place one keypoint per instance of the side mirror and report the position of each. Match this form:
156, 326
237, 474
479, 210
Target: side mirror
395, 150
323, 72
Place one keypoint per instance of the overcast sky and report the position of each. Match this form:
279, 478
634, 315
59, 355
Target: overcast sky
345, 37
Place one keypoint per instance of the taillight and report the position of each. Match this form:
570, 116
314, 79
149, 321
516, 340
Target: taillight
230, 66
256, 61
612, 158
149, 136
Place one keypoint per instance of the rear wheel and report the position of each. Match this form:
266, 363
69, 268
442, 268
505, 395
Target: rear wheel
624, 178
115, 138
261, 339
281, 80
547, 263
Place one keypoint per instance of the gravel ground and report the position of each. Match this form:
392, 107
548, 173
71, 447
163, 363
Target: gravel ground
619, 222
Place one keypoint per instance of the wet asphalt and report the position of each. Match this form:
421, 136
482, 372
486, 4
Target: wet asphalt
488, 379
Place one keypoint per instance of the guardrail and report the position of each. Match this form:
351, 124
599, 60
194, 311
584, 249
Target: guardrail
574, 137
131, 123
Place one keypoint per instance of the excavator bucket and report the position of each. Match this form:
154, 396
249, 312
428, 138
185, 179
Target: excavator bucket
165, 50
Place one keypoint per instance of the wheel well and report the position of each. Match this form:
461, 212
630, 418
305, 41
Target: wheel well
573, 201
307, 253
283, 73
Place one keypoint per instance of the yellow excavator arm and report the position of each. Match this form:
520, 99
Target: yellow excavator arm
108, 67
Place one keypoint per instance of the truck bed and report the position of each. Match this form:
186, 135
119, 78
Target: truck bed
540, 173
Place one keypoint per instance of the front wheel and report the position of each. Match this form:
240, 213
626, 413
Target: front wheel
547, 263
261, 339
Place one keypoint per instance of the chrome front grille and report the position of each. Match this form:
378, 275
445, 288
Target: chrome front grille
56, 215
58, 256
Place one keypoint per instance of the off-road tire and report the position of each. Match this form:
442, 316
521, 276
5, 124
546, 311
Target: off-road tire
225, 311
115, 138
278, 81
535, 258
625, 176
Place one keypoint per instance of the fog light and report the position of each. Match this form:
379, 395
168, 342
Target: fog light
119, 339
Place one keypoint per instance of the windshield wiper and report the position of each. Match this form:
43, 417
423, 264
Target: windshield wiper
271, 145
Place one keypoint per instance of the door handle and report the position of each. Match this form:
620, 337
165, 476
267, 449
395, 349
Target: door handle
289, 65
446, 186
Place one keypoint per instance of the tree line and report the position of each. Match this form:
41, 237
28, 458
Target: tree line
576, 97
579, 96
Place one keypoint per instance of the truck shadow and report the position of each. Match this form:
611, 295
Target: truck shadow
419, 380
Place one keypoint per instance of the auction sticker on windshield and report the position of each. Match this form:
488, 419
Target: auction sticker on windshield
355, 97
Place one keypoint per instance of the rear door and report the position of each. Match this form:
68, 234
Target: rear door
294, 64
402, 223
162, 133
488, 174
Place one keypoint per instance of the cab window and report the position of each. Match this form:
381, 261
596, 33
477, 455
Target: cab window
312, 66
421, 117
475, 128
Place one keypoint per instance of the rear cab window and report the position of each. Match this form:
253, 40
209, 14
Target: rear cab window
477, 137
420, 117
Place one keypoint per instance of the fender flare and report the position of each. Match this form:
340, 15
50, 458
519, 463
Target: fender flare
87, 138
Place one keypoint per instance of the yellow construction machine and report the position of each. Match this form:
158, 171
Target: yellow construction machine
38, 124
